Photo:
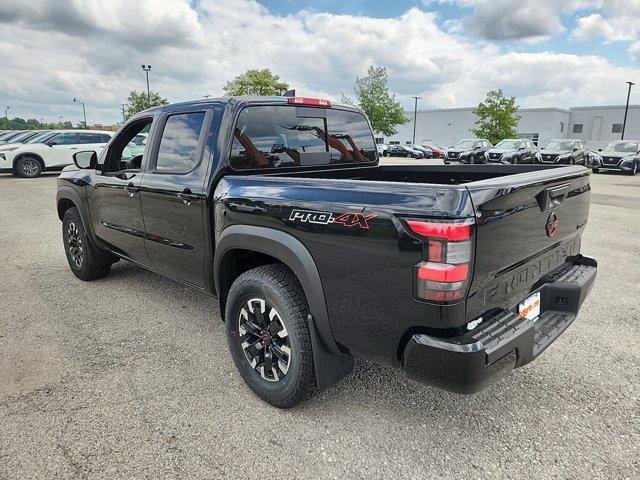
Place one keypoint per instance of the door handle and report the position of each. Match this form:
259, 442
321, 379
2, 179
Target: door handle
73, 148
187, 196
131, 189
552, 197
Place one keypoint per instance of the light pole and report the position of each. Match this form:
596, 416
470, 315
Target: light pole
123, 105
60, 120
415, 118
6, 112
84, 113
146, 68
626, 110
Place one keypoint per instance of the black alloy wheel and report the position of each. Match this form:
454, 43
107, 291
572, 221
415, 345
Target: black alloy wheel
75, 246
264, 339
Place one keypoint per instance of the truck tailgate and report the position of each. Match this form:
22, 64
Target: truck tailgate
527, 225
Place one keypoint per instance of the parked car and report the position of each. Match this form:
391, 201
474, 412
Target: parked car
381, 147
19, 137
512, 150
468, 150
6, 133
426, 152
427, 268
402, 151
564, 151
52, 154
622, 155
438, 152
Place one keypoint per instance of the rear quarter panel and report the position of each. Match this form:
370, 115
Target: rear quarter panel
365, 260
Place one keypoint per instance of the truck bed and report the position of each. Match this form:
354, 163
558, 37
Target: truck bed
510, 206
430, 174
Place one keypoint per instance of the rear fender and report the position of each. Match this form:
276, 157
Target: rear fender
330, 363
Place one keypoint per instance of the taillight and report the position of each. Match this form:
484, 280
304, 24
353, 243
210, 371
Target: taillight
318, 102
445, 272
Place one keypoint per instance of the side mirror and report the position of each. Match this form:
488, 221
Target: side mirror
50, 143
86, 160
599, 149
575, 149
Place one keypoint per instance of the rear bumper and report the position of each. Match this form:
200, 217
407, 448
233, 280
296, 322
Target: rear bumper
469, 362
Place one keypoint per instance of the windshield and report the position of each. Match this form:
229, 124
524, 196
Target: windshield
464, 144
22, 137
11, 136
43, 137
624, 147
508, 144
560, 145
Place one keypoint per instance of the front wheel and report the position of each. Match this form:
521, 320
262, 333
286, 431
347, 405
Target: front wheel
85, 262
28, 167
515, 160
634, 170
595, 170
268, 334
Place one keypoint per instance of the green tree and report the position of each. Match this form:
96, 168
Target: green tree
139, 101
256, 82
497, 117
379, 104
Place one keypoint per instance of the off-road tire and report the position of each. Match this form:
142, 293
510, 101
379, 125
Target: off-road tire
92, 265
280, 289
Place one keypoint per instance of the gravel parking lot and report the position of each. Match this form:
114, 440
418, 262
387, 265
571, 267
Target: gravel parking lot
130, 377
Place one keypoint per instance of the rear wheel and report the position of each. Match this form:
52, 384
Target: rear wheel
266, 315
595, 170
86, 263
28, 167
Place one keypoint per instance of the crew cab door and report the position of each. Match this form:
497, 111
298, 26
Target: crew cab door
174, 196
114, 198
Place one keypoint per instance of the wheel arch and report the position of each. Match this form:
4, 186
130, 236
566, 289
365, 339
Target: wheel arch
272, 245
22, 155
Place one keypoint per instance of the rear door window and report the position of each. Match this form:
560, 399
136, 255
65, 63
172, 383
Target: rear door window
179, 144
278, 136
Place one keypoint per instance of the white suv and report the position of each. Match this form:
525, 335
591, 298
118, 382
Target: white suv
51, 151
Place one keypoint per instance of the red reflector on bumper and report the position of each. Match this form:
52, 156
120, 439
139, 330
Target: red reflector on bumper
442, 272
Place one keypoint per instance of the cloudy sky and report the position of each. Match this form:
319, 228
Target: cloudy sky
450, 52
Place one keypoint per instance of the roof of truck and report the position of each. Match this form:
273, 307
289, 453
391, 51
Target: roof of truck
244, 99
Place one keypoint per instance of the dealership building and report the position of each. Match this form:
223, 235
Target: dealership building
595, 125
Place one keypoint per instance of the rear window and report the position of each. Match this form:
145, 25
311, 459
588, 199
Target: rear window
288, 136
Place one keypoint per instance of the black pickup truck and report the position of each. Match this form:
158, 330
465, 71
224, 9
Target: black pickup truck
278, 207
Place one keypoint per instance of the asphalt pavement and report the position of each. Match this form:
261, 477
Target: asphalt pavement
130, 377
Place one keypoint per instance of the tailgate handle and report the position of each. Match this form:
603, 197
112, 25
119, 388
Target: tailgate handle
552, 197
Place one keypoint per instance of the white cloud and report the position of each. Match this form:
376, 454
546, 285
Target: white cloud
619, 20
94, 52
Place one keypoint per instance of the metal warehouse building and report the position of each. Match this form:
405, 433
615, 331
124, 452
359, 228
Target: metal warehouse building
596, 125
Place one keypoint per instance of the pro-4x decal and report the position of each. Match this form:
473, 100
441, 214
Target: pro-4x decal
347, 219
